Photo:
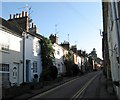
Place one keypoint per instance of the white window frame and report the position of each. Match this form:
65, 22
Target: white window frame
3, 69
4, 47
35, 67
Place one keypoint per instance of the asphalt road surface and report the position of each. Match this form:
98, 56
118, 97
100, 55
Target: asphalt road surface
87, 86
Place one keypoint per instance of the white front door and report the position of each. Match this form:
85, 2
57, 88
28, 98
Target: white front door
15, 72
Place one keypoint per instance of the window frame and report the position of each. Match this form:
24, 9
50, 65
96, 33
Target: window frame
35, 67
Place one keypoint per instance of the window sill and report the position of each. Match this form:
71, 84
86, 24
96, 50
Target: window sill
5, 51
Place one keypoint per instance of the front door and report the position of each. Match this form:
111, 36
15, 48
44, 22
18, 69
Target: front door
27, 70
15, 72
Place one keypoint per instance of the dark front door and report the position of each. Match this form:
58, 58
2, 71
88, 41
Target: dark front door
27, 70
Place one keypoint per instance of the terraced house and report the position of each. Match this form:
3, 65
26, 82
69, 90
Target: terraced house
20, 49
111, 42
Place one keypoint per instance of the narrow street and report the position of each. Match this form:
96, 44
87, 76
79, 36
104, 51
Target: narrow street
60, 50
87, 86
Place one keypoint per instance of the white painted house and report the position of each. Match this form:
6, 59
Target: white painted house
59, 63
31, 47
21, 58
11, 67
59, 53
32, 60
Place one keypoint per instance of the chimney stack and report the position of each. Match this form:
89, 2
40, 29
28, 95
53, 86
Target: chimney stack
21, 19
53, 38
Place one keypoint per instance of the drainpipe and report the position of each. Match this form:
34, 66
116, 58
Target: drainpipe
118, 36
23, 34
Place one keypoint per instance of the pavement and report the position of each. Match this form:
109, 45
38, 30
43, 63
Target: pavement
106, 91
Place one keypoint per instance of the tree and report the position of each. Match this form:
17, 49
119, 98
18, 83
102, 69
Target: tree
93, 54
92, 57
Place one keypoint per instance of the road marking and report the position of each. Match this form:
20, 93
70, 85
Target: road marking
83, 88
44, 93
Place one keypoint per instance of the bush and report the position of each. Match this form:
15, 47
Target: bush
45, 75
50, 73
53, 72
75, 69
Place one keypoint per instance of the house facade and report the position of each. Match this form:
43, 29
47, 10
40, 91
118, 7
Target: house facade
11, 66
60, 54
59, 61
75, 58
32, 58
21, 58
79, 62
111, 30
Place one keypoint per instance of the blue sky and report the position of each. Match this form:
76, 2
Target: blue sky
81, 20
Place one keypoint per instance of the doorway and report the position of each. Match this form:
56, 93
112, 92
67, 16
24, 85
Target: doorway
15, 73
27, 70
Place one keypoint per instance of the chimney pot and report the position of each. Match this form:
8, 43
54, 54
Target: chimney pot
14, 16
10, 16
19, 15
32, 25
26, 14
22, 13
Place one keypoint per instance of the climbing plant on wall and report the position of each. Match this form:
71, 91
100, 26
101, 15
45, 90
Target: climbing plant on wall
68, 60
47, 53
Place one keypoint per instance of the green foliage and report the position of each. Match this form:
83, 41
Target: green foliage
68, 61
69, 56
47, 53
53, 72
75, 69
50, 73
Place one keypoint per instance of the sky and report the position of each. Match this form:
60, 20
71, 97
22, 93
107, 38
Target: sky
81, 20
